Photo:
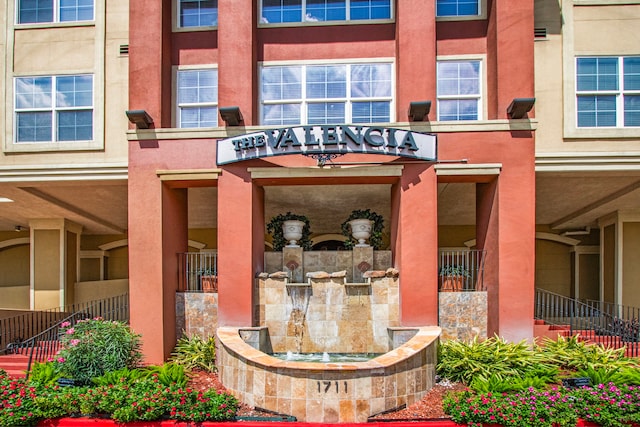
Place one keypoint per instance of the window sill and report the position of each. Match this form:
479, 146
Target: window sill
597, 133
326, 23
40, 147
194, 29
47, 25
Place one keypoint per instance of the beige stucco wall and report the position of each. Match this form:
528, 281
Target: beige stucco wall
631, 267
97, 290
14, 277
70, 48
553, 267
588, 28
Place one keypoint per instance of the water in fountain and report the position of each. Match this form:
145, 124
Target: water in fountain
299, 304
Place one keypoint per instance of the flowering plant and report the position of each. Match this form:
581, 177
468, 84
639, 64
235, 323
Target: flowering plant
92, 347
17, 402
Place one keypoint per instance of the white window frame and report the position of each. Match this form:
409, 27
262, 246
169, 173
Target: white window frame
54, 109
618, 93
482, 14
481, 98
176, 27
304, 22
176, 111
55, 18
348, 99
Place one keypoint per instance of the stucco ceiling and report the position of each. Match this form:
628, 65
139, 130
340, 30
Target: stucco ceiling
565, 201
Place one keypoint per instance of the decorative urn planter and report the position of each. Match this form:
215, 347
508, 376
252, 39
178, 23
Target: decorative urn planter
361, 231
292, 231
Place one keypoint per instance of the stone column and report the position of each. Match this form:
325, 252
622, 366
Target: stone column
362, 261
55, 249
292, 262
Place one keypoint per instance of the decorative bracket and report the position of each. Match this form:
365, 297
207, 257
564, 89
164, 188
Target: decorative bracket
323, 158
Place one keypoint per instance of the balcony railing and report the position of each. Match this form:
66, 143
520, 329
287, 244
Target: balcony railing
198, 272
461, 270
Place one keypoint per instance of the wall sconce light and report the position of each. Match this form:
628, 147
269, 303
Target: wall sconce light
140, 118
519, 107
231, 115
419, 110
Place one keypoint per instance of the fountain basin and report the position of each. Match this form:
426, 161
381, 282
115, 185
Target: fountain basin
328, 392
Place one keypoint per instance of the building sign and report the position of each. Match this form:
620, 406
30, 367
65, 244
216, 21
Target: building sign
327, 139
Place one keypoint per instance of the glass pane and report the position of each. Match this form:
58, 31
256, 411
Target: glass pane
371, 80
197, 86
457, 8
596, 111
279, 83
198, 13
74, 91
75, 126
198, 117
632, 73
632, 110
328, 112
459, 78
370, 9
326, 82
33, 92
458, 109
281, 114
594, 74
76, 10
33, 11
33, 127
275, 11
371, 112
326, 10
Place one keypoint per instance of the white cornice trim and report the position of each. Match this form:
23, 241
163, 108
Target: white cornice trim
573, 162
91, 172
435, 127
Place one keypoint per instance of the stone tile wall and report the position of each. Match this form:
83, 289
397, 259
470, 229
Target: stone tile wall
463, 315
329, 261
329, 392
197, 313
340, 317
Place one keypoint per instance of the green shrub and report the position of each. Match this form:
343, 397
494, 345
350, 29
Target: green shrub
168, 374
195, 353
463, 361
124, 375
95, 346
573, 354
44, 373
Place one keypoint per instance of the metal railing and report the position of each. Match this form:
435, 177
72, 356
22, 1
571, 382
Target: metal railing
19, 327
198, 272
461, 270
608, 324
46, 344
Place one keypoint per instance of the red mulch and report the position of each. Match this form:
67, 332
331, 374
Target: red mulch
430, 407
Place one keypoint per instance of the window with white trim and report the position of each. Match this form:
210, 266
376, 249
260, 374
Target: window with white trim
457, 8
326, 93
197, 98
42, 11
280, 11
608, 91
53, 108
197, 13
459, 90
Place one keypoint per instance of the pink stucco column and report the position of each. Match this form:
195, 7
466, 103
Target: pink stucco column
240, 243
415, 244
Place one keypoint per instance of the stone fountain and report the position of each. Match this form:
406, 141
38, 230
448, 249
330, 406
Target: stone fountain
350, 306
